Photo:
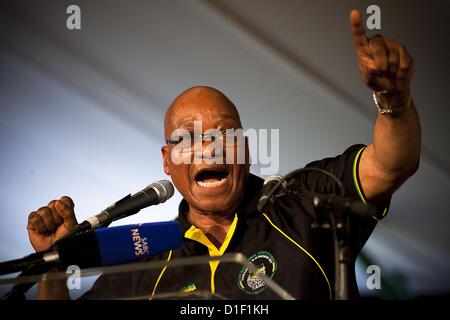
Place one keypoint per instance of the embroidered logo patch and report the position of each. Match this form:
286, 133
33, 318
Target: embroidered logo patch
252, 283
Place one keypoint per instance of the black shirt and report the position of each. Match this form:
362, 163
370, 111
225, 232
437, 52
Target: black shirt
280, 243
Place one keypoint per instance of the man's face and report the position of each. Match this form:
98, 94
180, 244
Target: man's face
209, 188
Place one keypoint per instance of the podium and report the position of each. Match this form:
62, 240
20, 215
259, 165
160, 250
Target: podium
233, 258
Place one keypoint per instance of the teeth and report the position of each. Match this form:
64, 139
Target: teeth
210, 184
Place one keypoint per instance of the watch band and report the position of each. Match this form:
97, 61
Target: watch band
385, 108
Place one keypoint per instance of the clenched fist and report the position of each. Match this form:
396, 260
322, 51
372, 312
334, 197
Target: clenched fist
50, 223
385, 64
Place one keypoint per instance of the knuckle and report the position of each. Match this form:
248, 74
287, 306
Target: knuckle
68, 200
389, 41
393, 59
404, 68
377, 42
393, 63
371, 73
378, 50
44, 211
393, 55
32, 217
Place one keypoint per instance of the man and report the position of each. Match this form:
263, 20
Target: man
218, 213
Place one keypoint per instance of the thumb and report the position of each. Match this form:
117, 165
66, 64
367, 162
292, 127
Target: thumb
65, 208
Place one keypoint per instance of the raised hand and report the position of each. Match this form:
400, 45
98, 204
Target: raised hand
385, 64
49, 223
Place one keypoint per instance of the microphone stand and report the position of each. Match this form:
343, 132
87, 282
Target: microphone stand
341, 230
336, 219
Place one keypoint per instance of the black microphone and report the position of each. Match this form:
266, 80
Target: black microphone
155, 193
104, 247
346, 204
332, 201
265, 201
319, 200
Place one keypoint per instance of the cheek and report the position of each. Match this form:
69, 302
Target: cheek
180, 173
239, 177
180, 177
176, 157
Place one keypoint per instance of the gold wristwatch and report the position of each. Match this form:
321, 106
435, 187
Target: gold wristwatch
381, 101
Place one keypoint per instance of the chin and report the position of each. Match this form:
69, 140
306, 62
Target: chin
214, 205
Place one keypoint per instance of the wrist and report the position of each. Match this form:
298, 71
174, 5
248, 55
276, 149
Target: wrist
392, 103
398, 98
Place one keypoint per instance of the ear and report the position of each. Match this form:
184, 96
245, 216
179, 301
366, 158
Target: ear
165, 155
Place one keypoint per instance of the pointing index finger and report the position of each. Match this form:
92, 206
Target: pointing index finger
358, 32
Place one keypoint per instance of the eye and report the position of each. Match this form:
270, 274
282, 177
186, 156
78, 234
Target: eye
182, 137
212, 135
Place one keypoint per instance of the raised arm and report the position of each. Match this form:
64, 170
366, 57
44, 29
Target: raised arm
387, 69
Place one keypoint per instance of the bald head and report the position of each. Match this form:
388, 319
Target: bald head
196, 103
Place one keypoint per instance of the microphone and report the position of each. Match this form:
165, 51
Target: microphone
104, 247
318, 200
327, 201
155, 193
265, 202
345, 204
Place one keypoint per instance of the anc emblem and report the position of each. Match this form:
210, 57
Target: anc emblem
251, 283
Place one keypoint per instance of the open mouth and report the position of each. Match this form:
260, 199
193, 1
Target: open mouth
211, 178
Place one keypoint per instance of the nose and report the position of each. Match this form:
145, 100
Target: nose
211, 151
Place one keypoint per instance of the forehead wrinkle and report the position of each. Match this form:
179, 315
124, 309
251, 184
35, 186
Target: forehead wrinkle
218, 119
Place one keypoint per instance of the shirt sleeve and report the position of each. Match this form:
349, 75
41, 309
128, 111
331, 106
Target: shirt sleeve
345, 168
